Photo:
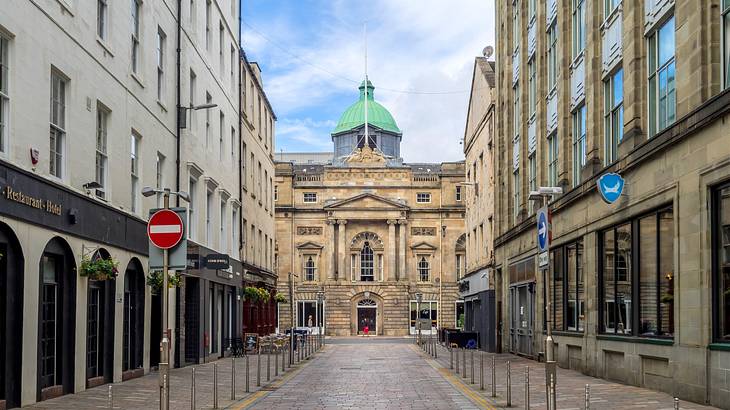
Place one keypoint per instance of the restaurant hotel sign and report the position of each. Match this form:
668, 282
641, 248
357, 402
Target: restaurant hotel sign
38, 203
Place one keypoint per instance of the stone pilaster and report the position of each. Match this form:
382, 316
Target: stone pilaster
391, 269
329, 255
341, 252
402, 273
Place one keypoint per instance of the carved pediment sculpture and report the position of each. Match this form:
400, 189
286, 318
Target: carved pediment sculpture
366, 155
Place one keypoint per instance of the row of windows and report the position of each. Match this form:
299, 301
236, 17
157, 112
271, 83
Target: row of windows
260, 117
421, 197
256, 180
228, 222
258, 246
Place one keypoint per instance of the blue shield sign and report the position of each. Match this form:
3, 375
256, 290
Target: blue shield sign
543, 229
610, 186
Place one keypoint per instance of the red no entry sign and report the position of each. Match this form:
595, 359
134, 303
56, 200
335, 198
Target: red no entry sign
165, 229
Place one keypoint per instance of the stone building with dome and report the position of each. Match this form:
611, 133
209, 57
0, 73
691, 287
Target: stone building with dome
370, 231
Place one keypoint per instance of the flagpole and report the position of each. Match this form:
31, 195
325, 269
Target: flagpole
367, 137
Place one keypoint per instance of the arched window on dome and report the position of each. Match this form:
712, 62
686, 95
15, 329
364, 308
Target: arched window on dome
371, 139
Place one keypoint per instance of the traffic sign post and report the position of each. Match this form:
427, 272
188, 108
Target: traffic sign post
544, 237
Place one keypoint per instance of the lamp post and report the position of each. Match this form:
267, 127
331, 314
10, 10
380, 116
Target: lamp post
320, 319
164, 364
419, 297
544, 194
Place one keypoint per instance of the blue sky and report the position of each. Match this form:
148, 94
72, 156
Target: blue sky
420, 59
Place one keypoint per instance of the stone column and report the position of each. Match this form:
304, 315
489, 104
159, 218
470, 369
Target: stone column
391, 271
402, 273
341, 252
330, 259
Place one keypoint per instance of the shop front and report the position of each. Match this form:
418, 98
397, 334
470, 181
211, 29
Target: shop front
479, 308
260, 315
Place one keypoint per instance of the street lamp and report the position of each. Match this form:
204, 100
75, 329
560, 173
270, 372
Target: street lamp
419, 297
164, 364
544, 194
320, 300
182, 112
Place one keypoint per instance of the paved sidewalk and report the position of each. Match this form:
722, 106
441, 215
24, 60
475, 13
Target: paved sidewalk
366, 376
570, 391
143, 392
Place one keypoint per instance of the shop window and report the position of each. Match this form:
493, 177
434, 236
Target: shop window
637, 258
721, 265
309, 314
567, 291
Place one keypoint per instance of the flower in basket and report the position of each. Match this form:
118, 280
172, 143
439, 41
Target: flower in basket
264, 295
99, 268
280, 298
251, 293
154, 280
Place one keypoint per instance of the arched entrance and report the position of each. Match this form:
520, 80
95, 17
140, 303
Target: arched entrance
133, 325
367, 317
56, 320
100, 328
11, 318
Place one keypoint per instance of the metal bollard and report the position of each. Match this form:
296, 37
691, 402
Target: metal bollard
471, 353
258, 366
588, 397
248, 384
284, 349
436, 348
451, 358
457, 360
551, 393
164, 389
676, 403
215, 385
233, 378
463, 361
299, 349
481, 370
111, 401
494, 377
527, 388
276, 363
509, 385
268, 364
192, 391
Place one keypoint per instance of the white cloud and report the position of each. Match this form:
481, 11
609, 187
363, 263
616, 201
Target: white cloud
305, 131
422, 45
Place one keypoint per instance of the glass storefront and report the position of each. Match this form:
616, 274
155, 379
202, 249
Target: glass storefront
429, 311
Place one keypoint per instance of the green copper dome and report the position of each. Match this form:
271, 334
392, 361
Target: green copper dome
354, 116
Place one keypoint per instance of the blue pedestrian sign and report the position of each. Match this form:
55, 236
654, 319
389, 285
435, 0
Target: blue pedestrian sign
610, 186
543, 230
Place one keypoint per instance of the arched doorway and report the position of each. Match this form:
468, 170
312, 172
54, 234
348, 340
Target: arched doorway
56, 320
367, 317
11, 318
133, 322
100, 328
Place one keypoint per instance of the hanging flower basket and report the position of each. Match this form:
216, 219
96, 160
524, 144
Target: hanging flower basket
280, 298
251, 293
154, 280
99, 268
264, 295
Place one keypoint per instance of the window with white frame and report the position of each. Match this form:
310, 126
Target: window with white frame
726, 40
192, 211
221, 40
609, 7
224, 233
234, 231
4, 92
208, 100
159, 176
459, 266
276, 193
310, 268
531, 9
423, 197
516, 27
233, 145
58, 126
208, 6
579, 143
134, 171
161, 51
209, 217
310, 197
613, 116
102, 10
424, 268
662, 92
532, 177
259, 176
458, 193
233, 68
191, 98
367, 263
579, 27
221, 131
552, 56
517, 113
136, 9
553, 159
193, 15
516, 192
532, 88
102, 159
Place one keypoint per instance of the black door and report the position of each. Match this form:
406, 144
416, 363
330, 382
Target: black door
133, 326
11, 317
366, 317
155, 329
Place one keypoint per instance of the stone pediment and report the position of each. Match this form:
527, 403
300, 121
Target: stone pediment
309, 245
423, 246
366, 201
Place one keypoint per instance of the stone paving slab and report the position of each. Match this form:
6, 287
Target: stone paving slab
143, 392
570, 391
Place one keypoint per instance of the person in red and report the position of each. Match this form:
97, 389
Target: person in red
366, 329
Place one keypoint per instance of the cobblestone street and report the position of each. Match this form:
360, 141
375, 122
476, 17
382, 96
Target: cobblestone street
373, 373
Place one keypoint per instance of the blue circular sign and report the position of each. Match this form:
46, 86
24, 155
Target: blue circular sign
542, 230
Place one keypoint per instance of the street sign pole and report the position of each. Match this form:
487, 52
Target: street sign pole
164, 365
543, 249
